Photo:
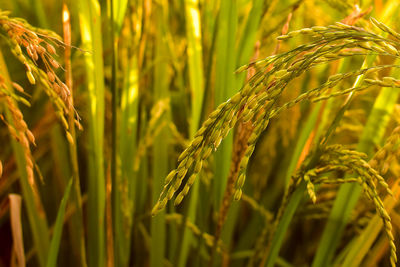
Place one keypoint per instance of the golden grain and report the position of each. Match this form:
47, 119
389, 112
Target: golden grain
30, 77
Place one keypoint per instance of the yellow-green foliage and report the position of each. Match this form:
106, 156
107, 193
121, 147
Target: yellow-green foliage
199, 132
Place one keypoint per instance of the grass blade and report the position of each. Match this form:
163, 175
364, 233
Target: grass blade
161, 143
362, 245
244, 50
196, 79
119, 9
124, 202
76, 222
56, 239
248, 38
287, 216
195, 58
90, 24
224, 88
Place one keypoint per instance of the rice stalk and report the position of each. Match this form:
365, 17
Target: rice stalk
56, 239
90, 21
20, 144
161, 144
147, 98
258, 98
196, 81
365, 240
125, 192
348, 194
76, 223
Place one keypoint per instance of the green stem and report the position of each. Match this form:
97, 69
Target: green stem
90, 24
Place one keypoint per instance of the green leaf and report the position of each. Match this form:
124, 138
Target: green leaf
58, 227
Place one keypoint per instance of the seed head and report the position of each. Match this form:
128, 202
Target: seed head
30, 77
69, 138
170, 176
50, 48
178, 199
238, 195
54, 63
240, 181
51, 76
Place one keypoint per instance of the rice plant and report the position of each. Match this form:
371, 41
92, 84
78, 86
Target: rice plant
199, 133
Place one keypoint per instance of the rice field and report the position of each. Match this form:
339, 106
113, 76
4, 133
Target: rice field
199, 133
